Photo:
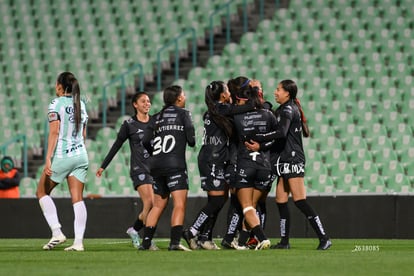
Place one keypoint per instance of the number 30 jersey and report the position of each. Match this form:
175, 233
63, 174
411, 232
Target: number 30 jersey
166, 138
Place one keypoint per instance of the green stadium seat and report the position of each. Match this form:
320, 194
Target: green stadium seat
379, 143
395, 177
370, 131
358, 155
28, 187
383, 156
352, 143
331, 157
368, 176
406, 158
342, 175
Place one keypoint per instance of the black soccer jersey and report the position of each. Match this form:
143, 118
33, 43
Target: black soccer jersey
167, 137
290, 123
215, 143
133, 130
247, 126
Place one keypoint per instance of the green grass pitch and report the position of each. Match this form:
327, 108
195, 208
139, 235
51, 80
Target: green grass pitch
118, 257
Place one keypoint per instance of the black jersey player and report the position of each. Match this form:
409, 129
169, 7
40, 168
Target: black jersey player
166, 138
132, 129
288, 160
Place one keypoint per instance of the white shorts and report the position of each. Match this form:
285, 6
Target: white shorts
70, 166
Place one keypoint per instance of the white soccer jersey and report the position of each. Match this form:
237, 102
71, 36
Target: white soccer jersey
69, 143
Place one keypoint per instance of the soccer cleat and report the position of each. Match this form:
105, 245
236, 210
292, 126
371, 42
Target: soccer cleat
153, 247
280, 246
178, 247
54, 241
236, 245
190, 239
74, 247
324, 244
264, 244
134, 237
209, 245
226, 245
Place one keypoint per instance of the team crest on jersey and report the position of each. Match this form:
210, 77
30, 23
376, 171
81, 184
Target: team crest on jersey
216, 183
141, 177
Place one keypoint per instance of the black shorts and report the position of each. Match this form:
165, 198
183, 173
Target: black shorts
213, 177
250, 177
141, 179
165, 184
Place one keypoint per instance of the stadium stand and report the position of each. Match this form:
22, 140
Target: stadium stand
351, 59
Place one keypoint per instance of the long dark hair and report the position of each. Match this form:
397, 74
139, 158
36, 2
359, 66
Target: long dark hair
240, 89
71, 86
291, 87
212, 96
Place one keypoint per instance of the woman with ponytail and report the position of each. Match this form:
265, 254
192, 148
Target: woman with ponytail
66, 158
288, 160
291, 181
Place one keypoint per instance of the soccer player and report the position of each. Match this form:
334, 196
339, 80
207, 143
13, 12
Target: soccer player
66, 158
133, 130
213, 162
253, 167
166, 138
288, 160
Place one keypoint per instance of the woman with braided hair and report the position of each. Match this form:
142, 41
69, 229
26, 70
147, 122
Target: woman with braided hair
66, 158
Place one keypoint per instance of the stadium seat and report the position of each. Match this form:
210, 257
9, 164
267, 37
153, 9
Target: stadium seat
357, 156
28, 187
342, 175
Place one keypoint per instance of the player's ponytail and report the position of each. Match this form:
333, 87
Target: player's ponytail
305, 128
76, 104
70, 85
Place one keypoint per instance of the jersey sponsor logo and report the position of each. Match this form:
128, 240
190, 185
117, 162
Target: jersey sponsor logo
247, 123
172, 184
69, 110
53, 116
212, 140
74, 148
286, 168
254, 155
175, 176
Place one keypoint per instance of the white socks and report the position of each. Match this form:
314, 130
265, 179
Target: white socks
79, 210
49, 211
